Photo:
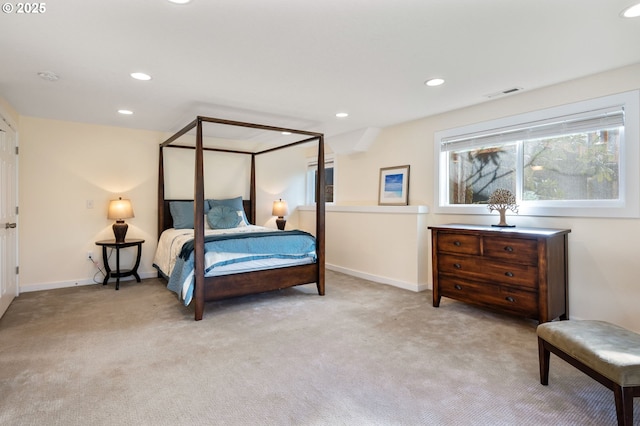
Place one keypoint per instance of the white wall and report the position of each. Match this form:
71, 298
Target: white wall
604, 281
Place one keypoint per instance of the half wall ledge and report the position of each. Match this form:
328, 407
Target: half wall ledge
418, 209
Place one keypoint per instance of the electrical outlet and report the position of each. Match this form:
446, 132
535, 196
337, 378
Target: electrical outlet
90, 255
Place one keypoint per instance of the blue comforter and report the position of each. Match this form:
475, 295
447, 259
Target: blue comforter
236, 248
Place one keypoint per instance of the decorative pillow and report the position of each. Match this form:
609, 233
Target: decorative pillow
234, 203
182, 214
223, 217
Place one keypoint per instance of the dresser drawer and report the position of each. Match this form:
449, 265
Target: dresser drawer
458, 243
500, 297
495, 272
511, 249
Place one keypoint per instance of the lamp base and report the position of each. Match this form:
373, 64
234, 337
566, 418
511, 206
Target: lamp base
120, 230
280, 222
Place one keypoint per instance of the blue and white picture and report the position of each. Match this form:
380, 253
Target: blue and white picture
394, 186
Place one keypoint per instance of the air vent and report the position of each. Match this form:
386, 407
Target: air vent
504, 92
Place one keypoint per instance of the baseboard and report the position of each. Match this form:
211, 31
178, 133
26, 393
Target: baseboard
76, 283
370, 277
378, 279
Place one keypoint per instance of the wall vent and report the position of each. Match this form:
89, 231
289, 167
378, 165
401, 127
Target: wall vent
504, 92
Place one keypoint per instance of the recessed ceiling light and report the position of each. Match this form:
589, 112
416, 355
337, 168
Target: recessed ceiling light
342, 115
434, 82
631, 11
286, 133
140, 76
179, 1
125, 112
48, 75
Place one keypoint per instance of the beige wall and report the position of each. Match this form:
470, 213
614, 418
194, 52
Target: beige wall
64, 165
603, 276
386, 244
280, 174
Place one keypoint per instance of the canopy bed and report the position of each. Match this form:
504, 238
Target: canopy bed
208, 283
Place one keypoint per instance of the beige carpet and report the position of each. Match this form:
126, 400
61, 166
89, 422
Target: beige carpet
364, 354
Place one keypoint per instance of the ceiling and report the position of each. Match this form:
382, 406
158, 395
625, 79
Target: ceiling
296, 63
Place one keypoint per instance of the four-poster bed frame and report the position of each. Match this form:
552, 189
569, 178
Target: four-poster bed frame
224, 286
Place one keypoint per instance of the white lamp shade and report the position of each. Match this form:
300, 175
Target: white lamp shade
280, 208
120, 209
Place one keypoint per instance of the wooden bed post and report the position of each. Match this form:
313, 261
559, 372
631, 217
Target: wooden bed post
320, 213
252, 190
160, 193
198, 228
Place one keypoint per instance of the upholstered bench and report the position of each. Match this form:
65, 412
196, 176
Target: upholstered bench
606, 352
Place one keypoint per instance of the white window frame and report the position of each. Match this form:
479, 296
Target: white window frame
628, 204
329, 159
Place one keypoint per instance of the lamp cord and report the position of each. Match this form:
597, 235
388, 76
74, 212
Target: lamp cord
100, 270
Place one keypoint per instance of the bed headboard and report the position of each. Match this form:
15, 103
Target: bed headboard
167, 220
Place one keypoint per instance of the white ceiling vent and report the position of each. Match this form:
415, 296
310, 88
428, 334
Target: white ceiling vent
504, 92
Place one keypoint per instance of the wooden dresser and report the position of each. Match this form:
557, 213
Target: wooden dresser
521, 271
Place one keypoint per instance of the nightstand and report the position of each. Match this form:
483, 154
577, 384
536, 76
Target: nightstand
118, 273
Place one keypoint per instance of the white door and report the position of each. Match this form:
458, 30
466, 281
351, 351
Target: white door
8, 217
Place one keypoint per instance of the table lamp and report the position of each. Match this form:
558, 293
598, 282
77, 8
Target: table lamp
280, 209
120, 210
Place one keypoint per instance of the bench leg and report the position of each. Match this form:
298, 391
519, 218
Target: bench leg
623, 395
543, 357
624, 405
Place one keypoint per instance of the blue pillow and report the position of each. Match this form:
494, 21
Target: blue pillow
234, 203
182, 213
223, 217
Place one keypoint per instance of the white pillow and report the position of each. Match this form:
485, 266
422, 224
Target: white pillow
242, 221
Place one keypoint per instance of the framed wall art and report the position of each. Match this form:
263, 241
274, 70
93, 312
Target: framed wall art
394, 186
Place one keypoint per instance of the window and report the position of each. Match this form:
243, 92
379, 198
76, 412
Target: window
312, 176
575, 160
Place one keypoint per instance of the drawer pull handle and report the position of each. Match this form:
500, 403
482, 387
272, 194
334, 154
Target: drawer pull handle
509, 249
457, 265
457, 287
510, 299
457, 243
509, 274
